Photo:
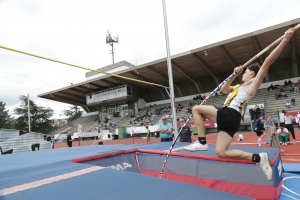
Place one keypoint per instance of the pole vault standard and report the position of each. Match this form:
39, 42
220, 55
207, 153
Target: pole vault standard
171, 86
215, 90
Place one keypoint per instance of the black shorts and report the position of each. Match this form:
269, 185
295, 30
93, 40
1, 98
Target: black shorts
228, 120
100, 143
259, 133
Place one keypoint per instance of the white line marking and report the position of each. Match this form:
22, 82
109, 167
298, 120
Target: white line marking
289, 196
286, 187
39, 183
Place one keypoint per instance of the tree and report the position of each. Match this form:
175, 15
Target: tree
6, 121
40, 116
73, 113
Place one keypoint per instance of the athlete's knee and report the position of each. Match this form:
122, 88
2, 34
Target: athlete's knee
221, 153
197, 109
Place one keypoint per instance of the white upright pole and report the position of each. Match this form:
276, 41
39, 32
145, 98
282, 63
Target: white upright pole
171, 86
28, 113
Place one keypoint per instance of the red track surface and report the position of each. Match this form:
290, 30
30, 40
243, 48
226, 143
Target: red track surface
291, 152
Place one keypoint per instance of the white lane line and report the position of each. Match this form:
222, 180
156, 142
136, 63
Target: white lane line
289, 196
291, 191
46, 181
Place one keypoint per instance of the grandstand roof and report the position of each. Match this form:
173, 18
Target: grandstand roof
193, 71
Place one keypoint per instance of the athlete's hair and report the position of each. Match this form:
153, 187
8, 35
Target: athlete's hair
254, 67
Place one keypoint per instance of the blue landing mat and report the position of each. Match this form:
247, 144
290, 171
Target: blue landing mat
290, 187
112, 184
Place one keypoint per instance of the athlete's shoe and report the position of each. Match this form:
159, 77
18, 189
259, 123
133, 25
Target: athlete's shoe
265, 165
294, 141
259, 140
196, 147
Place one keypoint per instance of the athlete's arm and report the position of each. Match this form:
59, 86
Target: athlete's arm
226, 88
271, 58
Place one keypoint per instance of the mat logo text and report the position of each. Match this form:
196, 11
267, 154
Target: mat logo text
120, 167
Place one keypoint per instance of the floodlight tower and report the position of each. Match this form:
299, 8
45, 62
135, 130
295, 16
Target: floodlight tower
111, 40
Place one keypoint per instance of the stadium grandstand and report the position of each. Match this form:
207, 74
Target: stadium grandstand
195, 72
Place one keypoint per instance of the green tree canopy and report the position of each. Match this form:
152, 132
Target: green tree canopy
40, 116
6, 121
73, 113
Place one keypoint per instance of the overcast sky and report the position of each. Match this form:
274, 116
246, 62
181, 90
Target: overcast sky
74, 31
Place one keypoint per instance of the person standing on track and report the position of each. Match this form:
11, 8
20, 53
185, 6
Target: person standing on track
69, 139
148, 134
289, 125
258, 129
186, 134
165, 128
229, 117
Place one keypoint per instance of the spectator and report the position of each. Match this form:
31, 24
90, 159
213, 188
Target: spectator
283, 135
281, 90
293, 101
271, 133
257, 112
289, 125
270, 88
298, 81
131, 122
186, 134
290, 83
283, 94
100, 138
298, 119
252, 114
288, 105
276, 96
296, 89
99, 121
285, 83
262, 109
148, 134
258, 128
165, 129
69, 139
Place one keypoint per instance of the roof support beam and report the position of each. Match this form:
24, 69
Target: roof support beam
71, 101
294, 56
86, 88
96, 85
230, 60
109, 82
261, 58
73, 95
165, 77
208, 68
181, 70
78, 91
86, 109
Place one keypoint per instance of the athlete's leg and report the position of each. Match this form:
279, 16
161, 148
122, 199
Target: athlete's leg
222, 151
209, 112
199, 112
223, 142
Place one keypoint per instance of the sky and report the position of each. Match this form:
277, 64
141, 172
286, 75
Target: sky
74, 31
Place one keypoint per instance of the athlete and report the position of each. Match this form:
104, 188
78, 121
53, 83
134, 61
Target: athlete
228, 118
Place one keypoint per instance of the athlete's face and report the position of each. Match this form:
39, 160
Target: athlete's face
248, 74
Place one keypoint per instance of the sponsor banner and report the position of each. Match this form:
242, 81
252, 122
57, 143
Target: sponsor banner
123, 162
